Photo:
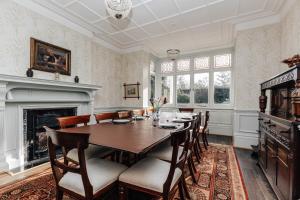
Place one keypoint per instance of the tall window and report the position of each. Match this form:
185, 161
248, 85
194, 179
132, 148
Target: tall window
152, 79
183, 88
204, 80
167, 88
201, 83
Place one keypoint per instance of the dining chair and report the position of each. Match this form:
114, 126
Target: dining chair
164, 151
189, 110
92, 150
204, 130
157, 177
138, 112
105, 116
88, 180
124, 114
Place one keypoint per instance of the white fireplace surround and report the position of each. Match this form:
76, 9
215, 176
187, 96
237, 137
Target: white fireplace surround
19, 93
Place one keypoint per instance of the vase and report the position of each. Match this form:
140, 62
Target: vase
155, 118
76, 79
29, 72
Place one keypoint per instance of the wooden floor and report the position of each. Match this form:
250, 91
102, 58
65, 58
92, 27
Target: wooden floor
256, 183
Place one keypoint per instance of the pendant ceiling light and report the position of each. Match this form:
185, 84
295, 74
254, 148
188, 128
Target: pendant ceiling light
173, 53
118, 9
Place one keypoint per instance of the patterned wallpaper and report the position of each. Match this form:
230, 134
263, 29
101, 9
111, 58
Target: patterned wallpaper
257, 53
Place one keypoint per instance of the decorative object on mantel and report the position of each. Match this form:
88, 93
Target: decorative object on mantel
131, 90
76, 79
29, 72
49, 58
156, 104
173, 54
295, 60
56, 76
118, 9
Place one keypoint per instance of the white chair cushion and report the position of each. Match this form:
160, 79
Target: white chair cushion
101, 173
164, 152
149, 173
93, 151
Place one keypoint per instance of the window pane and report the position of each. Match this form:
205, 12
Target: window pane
152, 85
223, 60
201, 82
183, 65
183, 89
167, 88
167, 67
222, 82
201, 63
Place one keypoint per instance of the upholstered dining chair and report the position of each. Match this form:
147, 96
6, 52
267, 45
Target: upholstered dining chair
164, 151
124, 114
105, 116
157, 177
189, 110
88, 180
138, 112
92, 150
204, 130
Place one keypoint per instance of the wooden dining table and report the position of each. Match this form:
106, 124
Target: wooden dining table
136, 137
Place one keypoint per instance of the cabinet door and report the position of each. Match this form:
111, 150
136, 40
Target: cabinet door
271, 159
262, 149
283, 172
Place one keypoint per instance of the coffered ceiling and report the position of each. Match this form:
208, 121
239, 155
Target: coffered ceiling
188, 25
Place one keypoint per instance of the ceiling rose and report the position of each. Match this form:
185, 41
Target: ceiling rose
118, 9
173, 53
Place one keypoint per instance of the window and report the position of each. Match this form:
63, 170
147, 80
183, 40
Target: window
167, 88
183, 65
167, 67
223, 60
222, 81
152, 67
201, 63
152, 79
183, 89
201, 82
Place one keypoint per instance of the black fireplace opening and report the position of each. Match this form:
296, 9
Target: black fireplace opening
35, 139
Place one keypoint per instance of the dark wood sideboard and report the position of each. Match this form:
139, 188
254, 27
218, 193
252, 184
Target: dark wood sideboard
279, 129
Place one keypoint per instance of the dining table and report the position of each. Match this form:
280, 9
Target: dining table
136, 137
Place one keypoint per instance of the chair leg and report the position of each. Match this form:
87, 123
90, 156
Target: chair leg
122, 193
196, 152
191, 171
193, 164
186, 191
181, 190
199, 146
204, 142
206, 138
59, 195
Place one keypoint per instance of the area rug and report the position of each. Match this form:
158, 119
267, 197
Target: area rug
219, 178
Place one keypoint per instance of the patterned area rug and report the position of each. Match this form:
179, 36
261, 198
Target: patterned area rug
219, 178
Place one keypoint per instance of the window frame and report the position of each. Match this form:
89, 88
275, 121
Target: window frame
193, 71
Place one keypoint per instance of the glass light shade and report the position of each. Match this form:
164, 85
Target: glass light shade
173, 53
118, 9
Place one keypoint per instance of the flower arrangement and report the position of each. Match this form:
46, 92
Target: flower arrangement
157, 103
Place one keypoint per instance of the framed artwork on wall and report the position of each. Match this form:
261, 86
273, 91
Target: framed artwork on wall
131, 90
49, 58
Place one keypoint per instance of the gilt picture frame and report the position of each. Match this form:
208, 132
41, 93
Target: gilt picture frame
131, 90
49, 58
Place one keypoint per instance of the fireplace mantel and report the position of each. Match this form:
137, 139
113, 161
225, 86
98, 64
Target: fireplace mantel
17, 93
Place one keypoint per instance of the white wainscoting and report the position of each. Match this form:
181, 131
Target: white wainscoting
245, 128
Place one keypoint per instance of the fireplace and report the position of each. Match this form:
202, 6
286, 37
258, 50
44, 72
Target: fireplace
35, 140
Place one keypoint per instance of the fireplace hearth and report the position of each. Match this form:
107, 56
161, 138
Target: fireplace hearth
35, 139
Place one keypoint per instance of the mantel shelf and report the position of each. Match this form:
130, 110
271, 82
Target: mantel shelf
45, 82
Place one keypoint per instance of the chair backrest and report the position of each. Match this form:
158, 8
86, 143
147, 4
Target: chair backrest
105, 116
68, 141
138, 112
72, 121
178, 137
124, 114
149, 110
206, 120
196, 129
190, 110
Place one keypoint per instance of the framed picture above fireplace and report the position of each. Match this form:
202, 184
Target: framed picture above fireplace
131, 90
49, 58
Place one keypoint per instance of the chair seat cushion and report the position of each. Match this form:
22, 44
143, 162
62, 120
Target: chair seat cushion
164, 152
101, 173
150, 173
93, 151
